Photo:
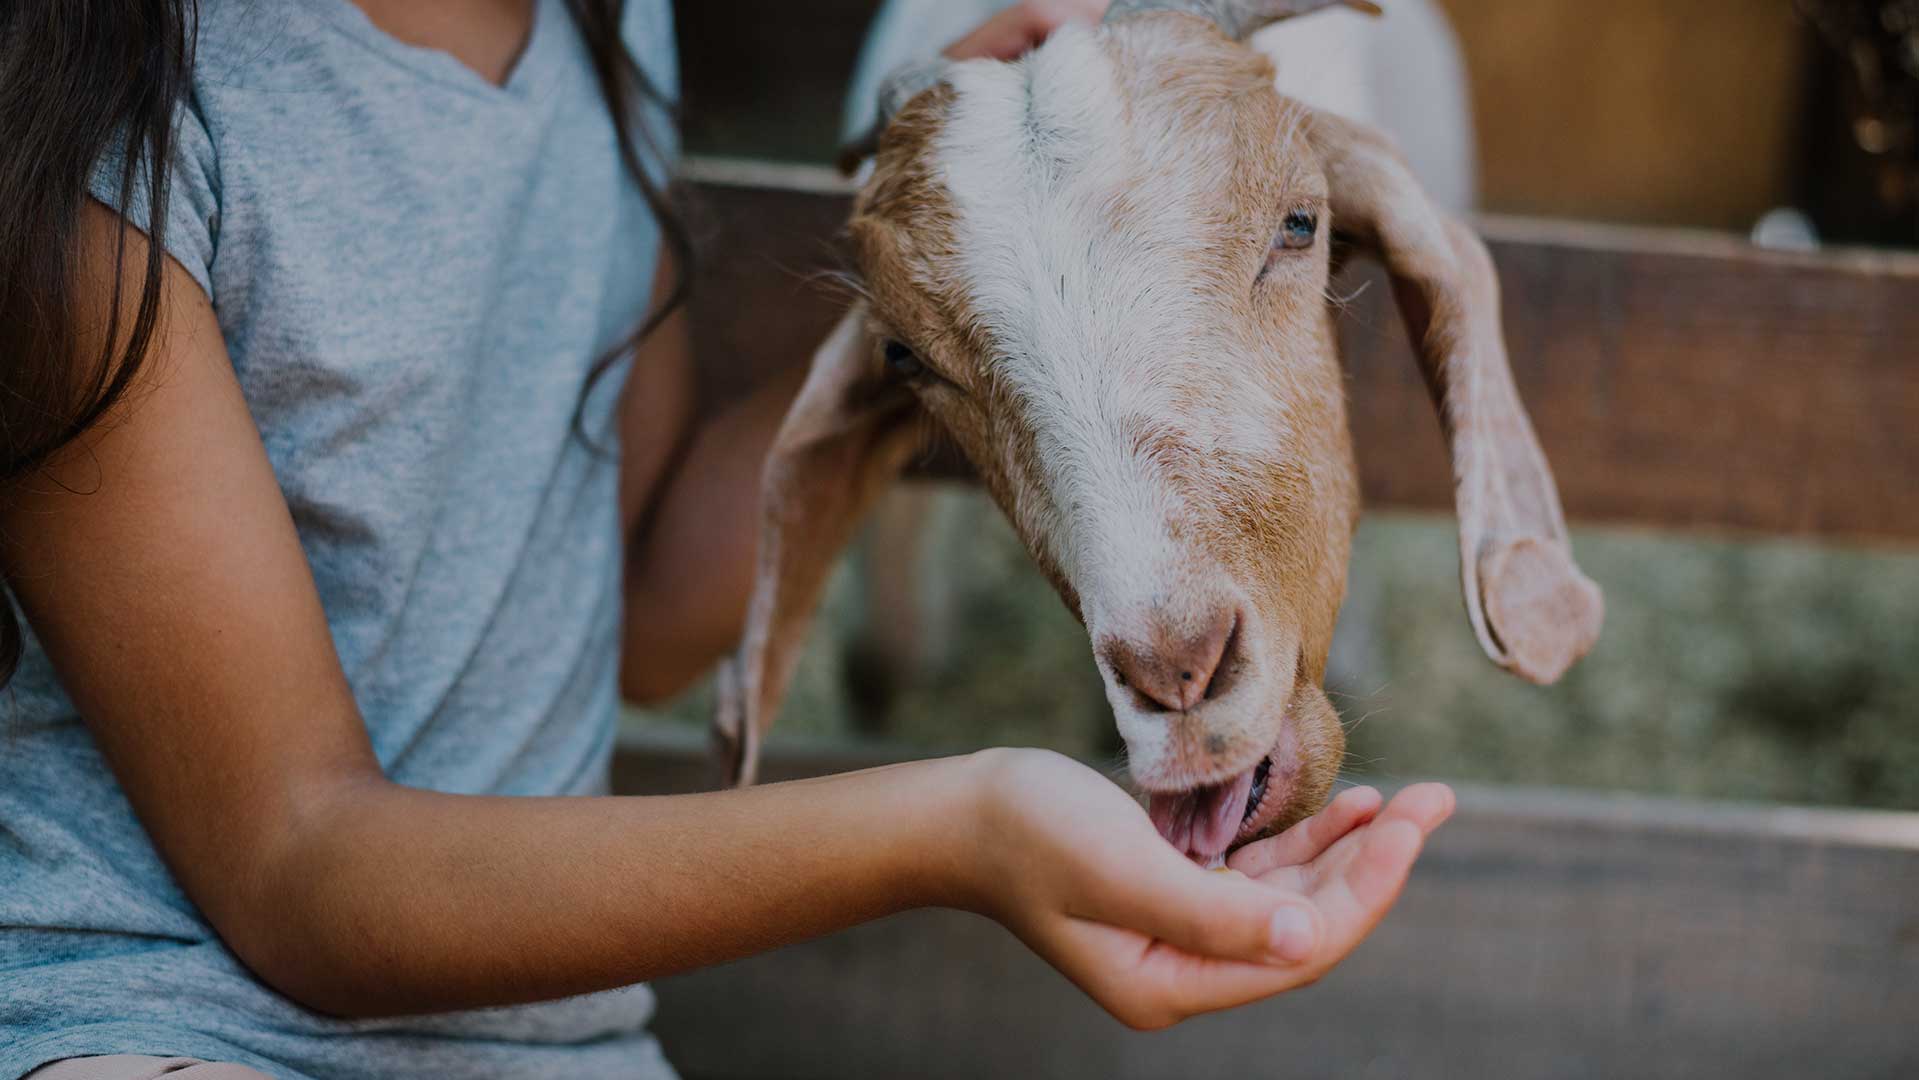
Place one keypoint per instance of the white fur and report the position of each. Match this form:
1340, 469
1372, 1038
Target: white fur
1098, 330
1033, 152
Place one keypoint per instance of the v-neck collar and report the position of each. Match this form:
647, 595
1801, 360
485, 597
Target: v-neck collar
526, 76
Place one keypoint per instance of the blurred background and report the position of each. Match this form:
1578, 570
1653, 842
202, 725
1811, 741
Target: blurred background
1748, 667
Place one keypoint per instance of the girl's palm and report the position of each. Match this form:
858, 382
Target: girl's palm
1155, 939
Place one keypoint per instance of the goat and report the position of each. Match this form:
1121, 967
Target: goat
1100, 273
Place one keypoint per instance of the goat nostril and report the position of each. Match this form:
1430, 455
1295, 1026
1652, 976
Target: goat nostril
1172, 670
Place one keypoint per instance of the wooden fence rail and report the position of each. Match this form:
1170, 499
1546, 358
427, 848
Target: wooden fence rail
1676, 379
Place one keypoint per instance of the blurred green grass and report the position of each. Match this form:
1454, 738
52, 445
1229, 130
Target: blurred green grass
1753, 670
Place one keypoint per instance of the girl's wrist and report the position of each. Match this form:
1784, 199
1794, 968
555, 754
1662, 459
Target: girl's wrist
953, 839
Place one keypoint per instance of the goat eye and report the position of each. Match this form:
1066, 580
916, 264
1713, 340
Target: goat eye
901, 361
1298, 230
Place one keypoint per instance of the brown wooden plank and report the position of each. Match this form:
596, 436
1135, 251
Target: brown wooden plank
1544, 934
1676, 379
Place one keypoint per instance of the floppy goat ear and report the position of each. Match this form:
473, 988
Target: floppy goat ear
848, 433
1533, 610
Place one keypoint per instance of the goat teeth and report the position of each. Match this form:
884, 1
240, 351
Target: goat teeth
1257, 795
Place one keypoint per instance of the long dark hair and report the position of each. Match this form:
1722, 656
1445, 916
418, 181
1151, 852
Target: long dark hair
77, 74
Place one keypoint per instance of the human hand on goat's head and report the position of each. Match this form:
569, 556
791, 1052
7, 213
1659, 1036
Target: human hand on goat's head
1023, 27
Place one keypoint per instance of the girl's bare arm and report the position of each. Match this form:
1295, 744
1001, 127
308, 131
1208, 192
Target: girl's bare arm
159, 565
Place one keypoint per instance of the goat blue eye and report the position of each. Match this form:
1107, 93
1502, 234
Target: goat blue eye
1298, 230
901, 361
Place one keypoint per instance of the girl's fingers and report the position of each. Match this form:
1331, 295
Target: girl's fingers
1208, 953
1024, 27
1425, 805
1358, 878
1266, 920
1153, 984
1303, 842
1367, 882
1004, 37
1369, 868
1163, 895
1377, 871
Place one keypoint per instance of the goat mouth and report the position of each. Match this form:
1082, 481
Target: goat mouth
1207, 822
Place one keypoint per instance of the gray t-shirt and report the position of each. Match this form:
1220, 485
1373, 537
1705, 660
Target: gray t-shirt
414, 270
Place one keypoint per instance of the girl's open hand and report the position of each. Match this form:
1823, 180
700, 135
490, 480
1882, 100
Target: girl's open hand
1073, 866
1022, 27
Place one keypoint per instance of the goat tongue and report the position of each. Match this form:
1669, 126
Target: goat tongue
1202, 822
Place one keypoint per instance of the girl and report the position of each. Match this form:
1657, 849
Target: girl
316, 318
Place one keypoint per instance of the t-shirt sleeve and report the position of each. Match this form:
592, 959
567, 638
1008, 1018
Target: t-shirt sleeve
193, 194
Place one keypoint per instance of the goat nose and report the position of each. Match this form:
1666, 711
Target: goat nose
1171, 669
